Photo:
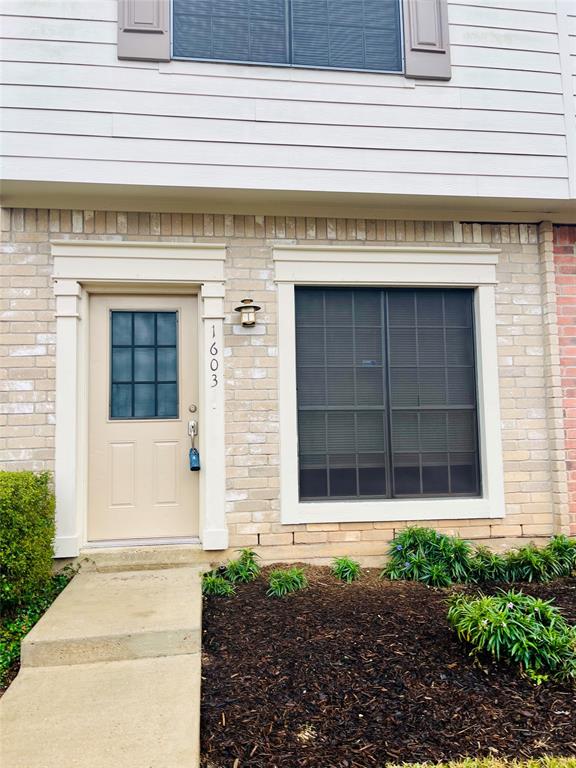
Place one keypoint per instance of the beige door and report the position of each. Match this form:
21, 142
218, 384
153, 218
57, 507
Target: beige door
143, 381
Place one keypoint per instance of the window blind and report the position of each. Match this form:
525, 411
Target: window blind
339, 34
231, 30
386, 390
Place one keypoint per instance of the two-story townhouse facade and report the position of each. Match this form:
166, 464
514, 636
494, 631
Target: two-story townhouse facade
392, 185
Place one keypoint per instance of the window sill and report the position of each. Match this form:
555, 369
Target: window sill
285, 73
294, 511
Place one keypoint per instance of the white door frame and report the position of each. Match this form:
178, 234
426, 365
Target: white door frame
83, 267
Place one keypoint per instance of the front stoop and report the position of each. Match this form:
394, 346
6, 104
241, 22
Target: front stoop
142, 558
110, 676
119, 615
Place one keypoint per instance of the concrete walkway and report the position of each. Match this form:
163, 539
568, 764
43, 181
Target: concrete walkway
110, 675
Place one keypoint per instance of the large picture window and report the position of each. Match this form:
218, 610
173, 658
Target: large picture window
327, 34
386, 393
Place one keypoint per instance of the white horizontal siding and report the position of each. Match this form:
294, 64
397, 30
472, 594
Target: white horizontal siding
272, 111
287, 134
178, 175
282, 156
497, 128
96, 10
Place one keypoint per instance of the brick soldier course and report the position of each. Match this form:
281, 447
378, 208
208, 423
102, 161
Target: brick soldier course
536, 318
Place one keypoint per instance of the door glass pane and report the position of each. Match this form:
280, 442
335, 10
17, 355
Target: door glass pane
122, 328
144, 328
122, 364
121, 401
166, 328
167, 401
144, 401
144, 365
167, 364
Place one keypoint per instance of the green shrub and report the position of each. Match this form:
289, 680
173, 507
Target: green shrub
491, 762
521, 629
26, 536
487, 566
422, 554
564, 550
285, 580
213, 583
14, 627
346, 569
557, 558
244, 568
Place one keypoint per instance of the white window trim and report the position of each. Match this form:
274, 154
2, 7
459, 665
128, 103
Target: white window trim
84, 267
393, 266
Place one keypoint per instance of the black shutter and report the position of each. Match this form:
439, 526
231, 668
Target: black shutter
231, 30
347, 34
386, 393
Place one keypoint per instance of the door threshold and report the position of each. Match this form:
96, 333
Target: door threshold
144, 554
125, 543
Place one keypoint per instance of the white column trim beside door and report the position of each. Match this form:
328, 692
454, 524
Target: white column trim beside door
67, 465
213, 481
82, 267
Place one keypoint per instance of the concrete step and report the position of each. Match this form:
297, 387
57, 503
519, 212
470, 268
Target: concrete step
104, 559
143, 713
119, 615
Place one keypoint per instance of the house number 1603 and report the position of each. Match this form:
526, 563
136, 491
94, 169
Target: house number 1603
214, 364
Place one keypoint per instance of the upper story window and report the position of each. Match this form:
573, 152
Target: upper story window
403, 36
325, 34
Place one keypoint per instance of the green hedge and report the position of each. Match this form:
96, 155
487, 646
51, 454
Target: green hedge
26, 535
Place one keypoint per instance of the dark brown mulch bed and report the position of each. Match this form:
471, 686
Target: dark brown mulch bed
352, 676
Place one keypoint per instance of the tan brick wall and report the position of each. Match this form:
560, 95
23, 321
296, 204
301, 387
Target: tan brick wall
27, 384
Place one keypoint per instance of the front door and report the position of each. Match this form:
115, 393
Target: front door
143, 393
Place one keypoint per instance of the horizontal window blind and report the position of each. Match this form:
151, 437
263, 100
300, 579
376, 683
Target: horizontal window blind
346, 34
386, 393
336, 34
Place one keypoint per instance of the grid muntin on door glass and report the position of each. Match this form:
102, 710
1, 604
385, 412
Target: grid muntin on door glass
143, 365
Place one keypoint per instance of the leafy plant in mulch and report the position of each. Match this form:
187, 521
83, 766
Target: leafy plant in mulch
519, 628
423, 554
489, 762
17, 622
221, 581
487, 566
282, 581
244, 569
346, 569
214, 584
